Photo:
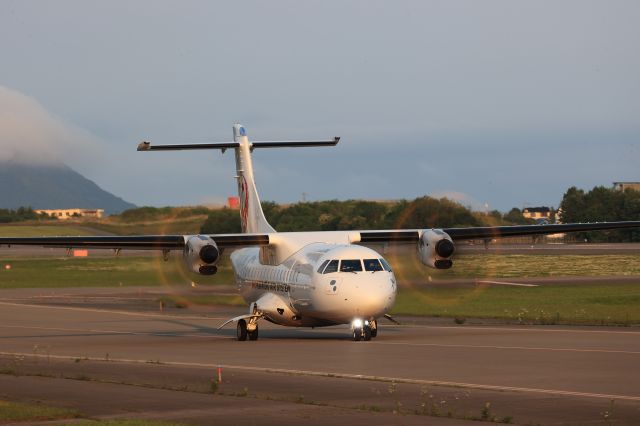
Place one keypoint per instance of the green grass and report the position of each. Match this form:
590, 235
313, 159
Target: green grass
180, 226
43, 231
104, 272
152, 270
575, 304
588, 304
188, 225
126, 423
17, 412
408, 268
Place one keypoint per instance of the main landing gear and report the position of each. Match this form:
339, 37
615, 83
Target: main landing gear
244, 330
249, 329
364, 330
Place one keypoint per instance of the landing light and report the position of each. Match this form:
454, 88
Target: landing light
357, 323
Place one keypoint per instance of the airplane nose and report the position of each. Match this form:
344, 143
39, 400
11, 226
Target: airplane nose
378, 296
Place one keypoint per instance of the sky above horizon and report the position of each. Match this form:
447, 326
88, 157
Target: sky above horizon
496, 103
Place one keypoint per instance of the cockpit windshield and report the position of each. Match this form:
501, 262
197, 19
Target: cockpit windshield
350, 265
353, 265
385, 265
372, 265
331, 267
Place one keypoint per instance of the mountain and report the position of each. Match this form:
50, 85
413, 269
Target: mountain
53, 187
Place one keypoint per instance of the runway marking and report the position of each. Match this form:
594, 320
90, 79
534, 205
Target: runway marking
135, 333
445, 327
111, 311
507, 283
311, 373
527, 348
436, 345
539, 330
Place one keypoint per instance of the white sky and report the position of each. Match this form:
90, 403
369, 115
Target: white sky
499, 102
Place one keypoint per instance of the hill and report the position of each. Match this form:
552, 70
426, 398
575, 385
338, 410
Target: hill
53, 187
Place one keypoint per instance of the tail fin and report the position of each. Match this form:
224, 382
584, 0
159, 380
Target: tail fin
251, 215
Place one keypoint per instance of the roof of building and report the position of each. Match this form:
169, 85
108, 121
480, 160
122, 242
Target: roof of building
536, 209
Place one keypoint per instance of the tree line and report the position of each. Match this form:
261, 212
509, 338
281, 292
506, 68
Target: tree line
597, 205
21, 214
602, 205
423, 212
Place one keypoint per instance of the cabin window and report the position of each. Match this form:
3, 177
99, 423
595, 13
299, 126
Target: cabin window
372, 265
321, 268
331, 267
350, 265
385, 265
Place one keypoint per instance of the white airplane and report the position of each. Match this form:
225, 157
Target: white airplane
303, 279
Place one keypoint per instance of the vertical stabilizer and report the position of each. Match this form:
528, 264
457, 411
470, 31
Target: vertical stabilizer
251, 214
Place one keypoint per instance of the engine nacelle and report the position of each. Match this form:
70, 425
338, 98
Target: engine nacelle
201, 255
435, 249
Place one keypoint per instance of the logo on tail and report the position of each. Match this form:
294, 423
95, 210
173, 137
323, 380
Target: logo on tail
244, 203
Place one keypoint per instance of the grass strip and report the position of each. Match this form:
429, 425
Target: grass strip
18, 412
103, 272
152, 270
617, 304
125, 422
409, 269
43, 231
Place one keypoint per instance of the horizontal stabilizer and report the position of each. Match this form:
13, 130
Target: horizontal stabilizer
294, 144
146, 146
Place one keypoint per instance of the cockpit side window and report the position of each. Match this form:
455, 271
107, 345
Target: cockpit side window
385, 265
331, 267
321, 268
372, 265
350, 265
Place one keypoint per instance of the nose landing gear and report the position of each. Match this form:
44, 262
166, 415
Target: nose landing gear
362, 330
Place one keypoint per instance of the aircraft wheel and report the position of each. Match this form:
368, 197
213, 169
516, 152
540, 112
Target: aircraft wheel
241, 330
374, 328
357, 334
253, 335
366, 332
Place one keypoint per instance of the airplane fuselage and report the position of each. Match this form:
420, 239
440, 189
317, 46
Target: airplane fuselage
321, 284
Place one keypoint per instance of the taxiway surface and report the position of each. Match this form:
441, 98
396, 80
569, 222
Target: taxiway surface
165, 365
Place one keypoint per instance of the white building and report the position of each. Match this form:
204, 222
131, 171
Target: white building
64, 214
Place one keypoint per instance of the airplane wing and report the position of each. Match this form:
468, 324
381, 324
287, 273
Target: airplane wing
141, 242
177, 242
412, 236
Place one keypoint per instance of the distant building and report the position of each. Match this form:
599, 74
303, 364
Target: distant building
537, 213
65, 214
621, 186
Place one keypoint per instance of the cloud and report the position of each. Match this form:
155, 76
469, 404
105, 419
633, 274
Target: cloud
30, 134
